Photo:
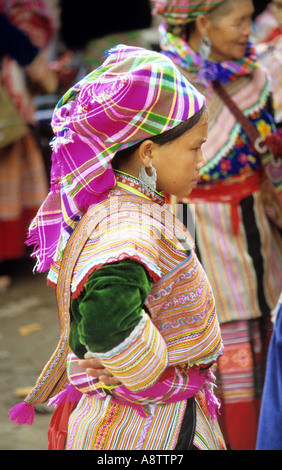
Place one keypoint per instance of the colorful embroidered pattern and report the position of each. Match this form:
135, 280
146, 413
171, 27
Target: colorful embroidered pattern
207, 434
127, 430
183, 309
105, 428
242, 367
140, 359
242, 268
176, 384
252, 96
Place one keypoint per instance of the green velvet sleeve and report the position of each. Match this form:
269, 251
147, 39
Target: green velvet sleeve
109, 307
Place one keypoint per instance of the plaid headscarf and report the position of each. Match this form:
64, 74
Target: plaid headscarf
180, 12
133, 95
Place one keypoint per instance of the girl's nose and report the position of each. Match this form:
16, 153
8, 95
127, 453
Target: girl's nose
201, 161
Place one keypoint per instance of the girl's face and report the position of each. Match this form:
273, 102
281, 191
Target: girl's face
229, 35
178, 162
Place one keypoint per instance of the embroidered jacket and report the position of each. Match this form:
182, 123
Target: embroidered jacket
179, 324
181, 331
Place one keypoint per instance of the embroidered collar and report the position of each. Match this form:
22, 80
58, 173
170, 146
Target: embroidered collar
132, 184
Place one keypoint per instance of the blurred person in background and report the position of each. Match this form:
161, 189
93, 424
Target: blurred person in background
270, 54
97, 30
264, 27
25, 30
239, 246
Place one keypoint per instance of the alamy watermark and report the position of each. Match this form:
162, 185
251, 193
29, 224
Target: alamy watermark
124, 217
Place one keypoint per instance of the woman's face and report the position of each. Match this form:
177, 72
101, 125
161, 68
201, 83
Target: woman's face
178, 162
229, 34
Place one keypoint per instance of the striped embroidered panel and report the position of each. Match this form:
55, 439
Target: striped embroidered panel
183, 309
241, 369
140, 359
251, 264
208, 435
94, 425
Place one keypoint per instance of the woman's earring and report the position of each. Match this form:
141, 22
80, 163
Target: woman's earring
205, 48
148, 182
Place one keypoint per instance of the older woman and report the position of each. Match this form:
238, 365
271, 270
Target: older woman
237, 244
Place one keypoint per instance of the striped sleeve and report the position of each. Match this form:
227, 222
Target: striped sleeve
139, 360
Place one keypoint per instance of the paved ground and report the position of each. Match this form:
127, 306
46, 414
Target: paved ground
28, 335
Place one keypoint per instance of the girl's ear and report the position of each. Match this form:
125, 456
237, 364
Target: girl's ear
145, 152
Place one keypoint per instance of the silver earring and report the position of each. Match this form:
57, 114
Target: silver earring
149, 183
205, 48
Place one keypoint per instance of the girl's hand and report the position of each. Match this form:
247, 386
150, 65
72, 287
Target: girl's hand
95, 368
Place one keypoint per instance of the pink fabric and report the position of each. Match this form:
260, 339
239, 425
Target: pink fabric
174, 385
22, 413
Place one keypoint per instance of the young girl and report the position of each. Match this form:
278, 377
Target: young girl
131, 291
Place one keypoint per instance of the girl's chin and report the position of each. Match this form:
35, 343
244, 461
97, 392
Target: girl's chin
185, 194
192, 185
187, 191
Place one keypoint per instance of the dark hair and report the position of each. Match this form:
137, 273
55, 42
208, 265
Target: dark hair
188, 29
163, 138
